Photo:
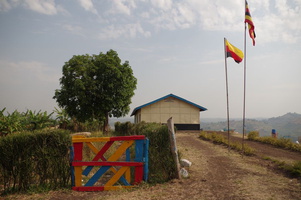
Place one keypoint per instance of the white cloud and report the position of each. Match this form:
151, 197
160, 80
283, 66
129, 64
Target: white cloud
128, 31
47, 7
122, 6
218, 15
180, 16
42, 6
274, 20
209, 15
74, 29
88, 5
5, 5
280, 23
162, 4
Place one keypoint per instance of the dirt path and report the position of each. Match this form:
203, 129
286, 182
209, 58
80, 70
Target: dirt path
227, 175
215, 174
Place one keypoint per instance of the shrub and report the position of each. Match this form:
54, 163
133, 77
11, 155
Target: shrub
284, 143
220, 139
35, 159
124, 129
253, 135
161, 163
248, 151
295, 169
205, 136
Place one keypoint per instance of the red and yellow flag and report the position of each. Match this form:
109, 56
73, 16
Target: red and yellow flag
234, 52
248, 19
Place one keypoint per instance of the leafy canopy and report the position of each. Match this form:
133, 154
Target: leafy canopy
95, 87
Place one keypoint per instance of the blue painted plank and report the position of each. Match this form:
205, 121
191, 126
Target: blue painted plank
71, 158
128, 155
87, 170
97, 175
139, 151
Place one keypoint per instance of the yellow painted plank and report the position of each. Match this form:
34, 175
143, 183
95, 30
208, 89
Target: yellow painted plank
92, 147
117, 176
91, 139
113, 169
128, 175
95, 150
121, 150
78, 176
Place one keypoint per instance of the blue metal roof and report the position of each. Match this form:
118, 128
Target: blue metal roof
170, 95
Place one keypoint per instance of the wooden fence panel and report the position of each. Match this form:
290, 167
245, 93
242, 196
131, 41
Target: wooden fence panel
113, 173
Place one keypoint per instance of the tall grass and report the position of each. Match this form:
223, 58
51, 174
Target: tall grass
220, 139
280, 143
293, 170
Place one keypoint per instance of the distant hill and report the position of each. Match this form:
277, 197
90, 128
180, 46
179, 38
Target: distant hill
288, 125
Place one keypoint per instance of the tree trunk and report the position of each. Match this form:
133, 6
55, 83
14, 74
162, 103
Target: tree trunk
106, 124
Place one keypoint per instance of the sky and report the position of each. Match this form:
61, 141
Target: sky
172, 46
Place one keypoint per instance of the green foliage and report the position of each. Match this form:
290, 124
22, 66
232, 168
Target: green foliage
161, 163
280, 143
220, 139
248, 151
62, 117
25, 121
124, 129
10, 123
293, 170
253, 135
35, 159
214, 137
72, 124
96, 87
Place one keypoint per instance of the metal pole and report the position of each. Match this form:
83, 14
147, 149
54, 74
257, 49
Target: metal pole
244, 101
227, 94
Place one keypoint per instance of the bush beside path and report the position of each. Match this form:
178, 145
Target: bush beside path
215, 174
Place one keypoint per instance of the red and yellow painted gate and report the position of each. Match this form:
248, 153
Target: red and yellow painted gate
126, 165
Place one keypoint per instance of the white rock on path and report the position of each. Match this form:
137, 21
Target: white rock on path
184, 173
185, 163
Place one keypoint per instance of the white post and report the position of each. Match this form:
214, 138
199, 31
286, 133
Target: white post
173, 146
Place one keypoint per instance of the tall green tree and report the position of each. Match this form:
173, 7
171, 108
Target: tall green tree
96, 87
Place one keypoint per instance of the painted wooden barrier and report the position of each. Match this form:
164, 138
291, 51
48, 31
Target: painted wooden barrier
117, 171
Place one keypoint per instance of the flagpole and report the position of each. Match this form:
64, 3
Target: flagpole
244, 98
227, 94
